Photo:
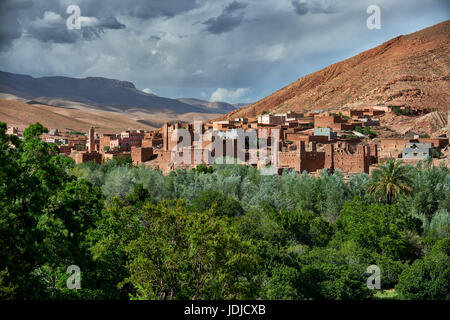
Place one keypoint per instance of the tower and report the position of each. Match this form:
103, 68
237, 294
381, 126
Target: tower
165, 134
91, 146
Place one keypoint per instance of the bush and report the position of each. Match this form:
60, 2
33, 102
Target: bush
426, 279
223, 205
402, 112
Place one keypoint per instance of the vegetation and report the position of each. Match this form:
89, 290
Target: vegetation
77, 133
366, 131
436, 154
340, 115
220, 232
390, 180
402, 112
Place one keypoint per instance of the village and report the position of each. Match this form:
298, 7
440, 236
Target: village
308, 142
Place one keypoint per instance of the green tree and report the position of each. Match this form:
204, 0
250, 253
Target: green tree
118, 226
190, 256
45, 214
390, 180
378, 230
428, 278
224, 205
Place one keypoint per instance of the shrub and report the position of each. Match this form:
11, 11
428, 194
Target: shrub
426, 279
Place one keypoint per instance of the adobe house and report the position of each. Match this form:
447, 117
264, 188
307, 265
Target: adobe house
306, 138
86, 156
414, 150
393, 147
152, 139
327, 132
340, 156
77, 142
302, 160
222, 125
438, 143
108, 142
272, 119
141, 154
170, 131
335, 122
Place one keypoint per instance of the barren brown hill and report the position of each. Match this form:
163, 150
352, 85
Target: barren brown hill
78, 117
411, 70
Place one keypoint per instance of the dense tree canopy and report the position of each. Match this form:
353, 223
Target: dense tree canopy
219, 232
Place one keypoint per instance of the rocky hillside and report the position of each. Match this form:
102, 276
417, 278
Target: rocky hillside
411, 70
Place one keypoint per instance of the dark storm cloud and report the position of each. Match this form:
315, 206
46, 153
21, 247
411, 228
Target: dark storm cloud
26, 17
10, 28
313, 6
110, 23
142, 9
52, 28
231, 17
300, 7
155, 38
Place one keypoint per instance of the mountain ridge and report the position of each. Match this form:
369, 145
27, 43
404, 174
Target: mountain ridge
98, 92
411, 70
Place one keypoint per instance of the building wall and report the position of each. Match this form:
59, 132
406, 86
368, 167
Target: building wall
306, 138
140, 155
438, 143
339, 156
393, 146
301, 159
328, 132
81, 157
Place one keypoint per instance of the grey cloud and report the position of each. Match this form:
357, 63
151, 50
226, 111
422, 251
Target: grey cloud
10, 28
234, 6
313, 6
110, 23
142, 9
301, 8
52, 28
231, 17
17, 17
155, 38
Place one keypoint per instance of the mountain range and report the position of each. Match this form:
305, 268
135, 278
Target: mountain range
100, 93
409, 70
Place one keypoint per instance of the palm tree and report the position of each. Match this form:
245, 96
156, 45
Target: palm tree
390, 180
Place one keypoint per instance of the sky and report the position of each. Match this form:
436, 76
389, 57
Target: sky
233, 51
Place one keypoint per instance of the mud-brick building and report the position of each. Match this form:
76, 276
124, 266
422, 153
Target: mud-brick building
85, 156
140, 155
152, 139
335, 122
414, 150
340, 156
336, 156
302, 160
